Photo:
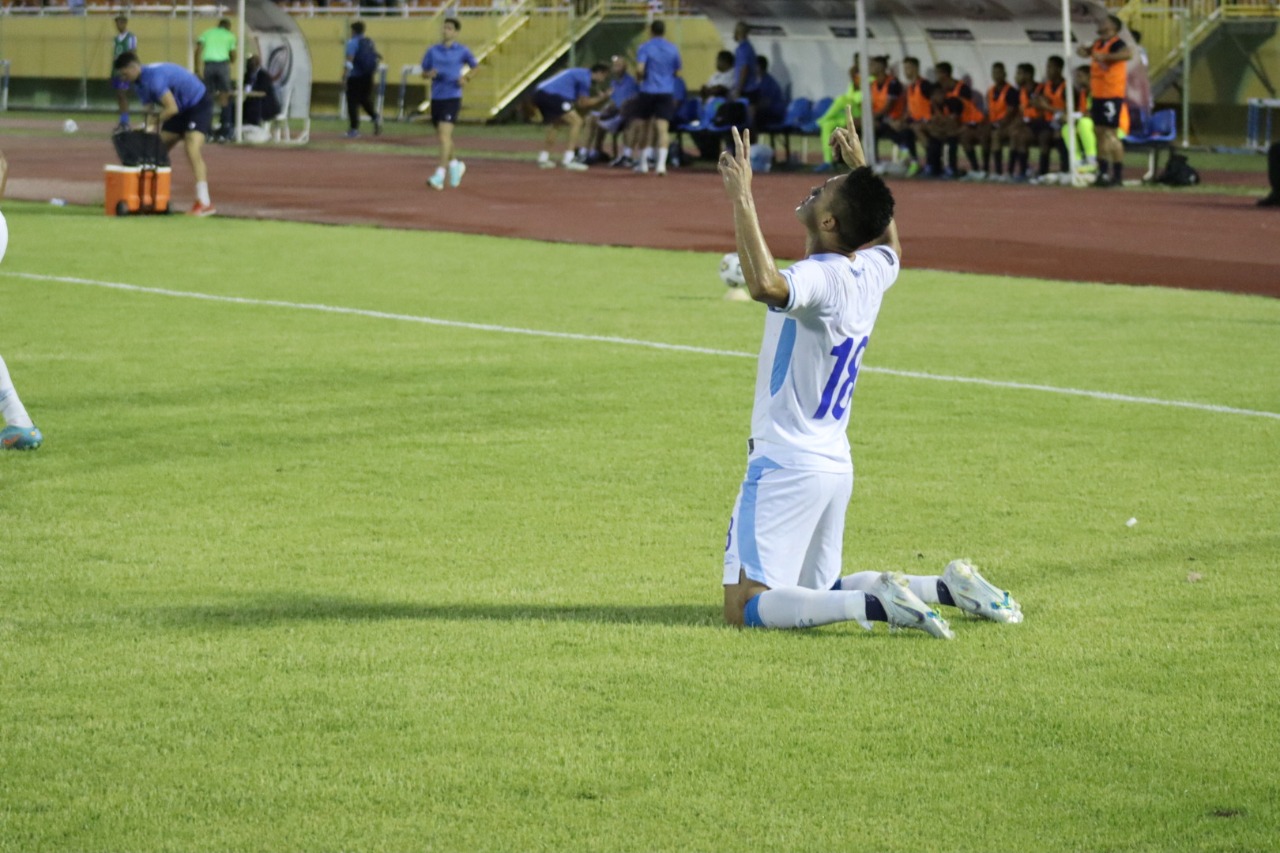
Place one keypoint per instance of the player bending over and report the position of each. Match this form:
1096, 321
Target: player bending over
782, 561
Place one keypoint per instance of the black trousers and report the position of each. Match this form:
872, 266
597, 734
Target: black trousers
360, 94
1273, 167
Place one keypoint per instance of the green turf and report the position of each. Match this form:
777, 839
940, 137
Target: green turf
291, 580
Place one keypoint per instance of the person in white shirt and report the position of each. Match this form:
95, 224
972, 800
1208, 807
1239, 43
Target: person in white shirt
782, 565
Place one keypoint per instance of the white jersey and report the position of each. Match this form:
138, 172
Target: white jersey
810, 357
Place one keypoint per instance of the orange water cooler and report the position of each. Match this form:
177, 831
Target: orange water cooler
137, 189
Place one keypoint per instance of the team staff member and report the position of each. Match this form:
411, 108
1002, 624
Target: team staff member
1108, 71
185, 113
746, 71
658, 62
124, 42
1002, 121
559, 98
358, 70
215, 54
442, 64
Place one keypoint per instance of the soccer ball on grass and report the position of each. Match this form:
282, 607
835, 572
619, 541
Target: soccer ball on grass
731, 270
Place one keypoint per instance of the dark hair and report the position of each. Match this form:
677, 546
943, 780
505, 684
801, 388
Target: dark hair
863, 208
1137, 35
884, 60
996, 65
457, 25
122, 18
358, 28
725, 54
658, 28
912, 60
1027, 67
762, 62
1057, 60
225, 23
124, 60
600, 68
944, 67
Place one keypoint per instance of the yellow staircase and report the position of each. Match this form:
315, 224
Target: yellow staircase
530, 37
1171, 27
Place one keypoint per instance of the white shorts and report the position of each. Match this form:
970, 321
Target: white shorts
787, 528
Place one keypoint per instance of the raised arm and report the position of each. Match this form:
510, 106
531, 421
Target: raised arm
764, 282
848, 148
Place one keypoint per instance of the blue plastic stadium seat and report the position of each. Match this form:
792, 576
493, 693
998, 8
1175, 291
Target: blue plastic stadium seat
810, 126
1155, 134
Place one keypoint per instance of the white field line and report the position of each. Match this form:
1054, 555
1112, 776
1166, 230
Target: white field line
571, 336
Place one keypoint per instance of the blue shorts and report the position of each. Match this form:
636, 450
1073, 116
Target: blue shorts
197, 118
551, 105
445, 110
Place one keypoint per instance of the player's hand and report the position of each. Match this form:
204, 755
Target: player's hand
735, 166
846, 144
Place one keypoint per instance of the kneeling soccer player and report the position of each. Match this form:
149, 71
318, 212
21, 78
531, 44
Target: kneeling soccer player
783, 556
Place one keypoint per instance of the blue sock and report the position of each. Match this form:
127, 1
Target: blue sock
124, 118
751, 613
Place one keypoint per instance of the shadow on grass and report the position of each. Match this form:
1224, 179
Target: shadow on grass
276, 610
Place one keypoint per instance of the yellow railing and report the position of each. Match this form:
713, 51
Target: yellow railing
1167, 26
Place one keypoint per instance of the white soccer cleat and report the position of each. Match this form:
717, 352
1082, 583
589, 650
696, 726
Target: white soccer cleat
905, 609
546, 164
976, 595
576, 166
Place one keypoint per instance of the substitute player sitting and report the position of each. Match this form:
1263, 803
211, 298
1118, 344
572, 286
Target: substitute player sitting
782, 561
185, 112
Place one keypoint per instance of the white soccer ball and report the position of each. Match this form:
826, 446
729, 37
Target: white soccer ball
70, 126
731, 270
4, 236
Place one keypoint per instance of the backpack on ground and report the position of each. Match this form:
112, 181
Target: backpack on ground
365, 61
1178, 173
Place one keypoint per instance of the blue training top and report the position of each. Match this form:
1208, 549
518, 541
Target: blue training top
447, 62
160, 77
744, 56
661, 61
624, 89
570, 84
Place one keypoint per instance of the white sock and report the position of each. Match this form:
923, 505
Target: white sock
925, 587
202, 192
662, 158
10, 406
544, 156
453, 162
795, 607
626, 151
648, 153
568, 157
439, 171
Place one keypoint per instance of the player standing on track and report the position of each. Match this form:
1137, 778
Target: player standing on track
124, 42
1108, 75
186, 114
782, 559
659, 64
443, 66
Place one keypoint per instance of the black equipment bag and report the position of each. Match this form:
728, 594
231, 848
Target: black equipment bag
139, 148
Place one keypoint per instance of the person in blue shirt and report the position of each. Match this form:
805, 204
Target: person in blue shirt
358, 70
561, 98
771, 105
659, 66
746, 74
183, 110
446, 65
616, 116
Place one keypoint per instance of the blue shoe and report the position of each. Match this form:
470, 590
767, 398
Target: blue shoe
353, 134
456, 170
823, 167
436, 181
20, 438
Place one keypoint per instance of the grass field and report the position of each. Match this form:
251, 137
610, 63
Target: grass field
284, 578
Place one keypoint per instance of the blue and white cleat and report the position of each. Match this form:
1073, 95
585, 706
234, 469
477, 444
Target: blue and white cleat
905, 609
20, 438
456, 170
436, 181
976, 595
